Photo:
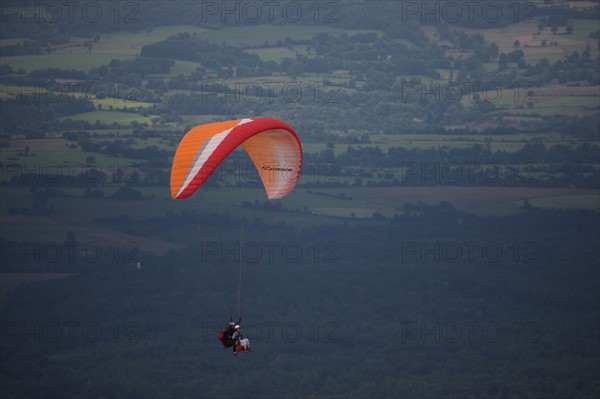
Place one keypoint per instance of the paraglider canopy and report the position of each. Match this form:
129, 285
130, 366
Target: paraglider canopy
271, 144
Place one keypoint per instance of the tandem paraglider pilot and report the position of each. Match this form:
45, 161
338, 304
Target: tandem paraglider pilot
233, 337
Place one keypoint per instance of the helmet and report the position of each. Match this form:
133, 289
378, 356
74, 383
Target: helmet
231, 323
237, 326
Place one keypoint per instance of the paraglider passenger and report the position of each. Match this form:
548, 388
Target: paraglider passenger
241, 343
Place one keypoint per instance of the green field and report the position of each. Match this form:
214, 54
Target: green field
106, 103
259, 35
11, 42
78, 61
273, 53
114, 46
130, 44
184, 68
531, 42
109, 117
42, 154
277, 54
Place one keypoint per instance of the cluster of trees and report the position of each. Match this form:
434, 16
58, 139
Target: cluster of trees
225, 60
121, 148
532, 164
34, 114
395, 156
130, 71
26, 47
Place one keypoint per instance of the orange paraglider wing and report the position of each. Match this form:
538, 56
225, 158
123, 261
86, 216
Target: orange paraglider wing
271, 144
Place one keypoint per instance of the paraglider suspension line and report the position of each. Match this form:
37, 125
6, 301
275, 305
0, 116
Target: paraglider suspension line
241, 253
216, 278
